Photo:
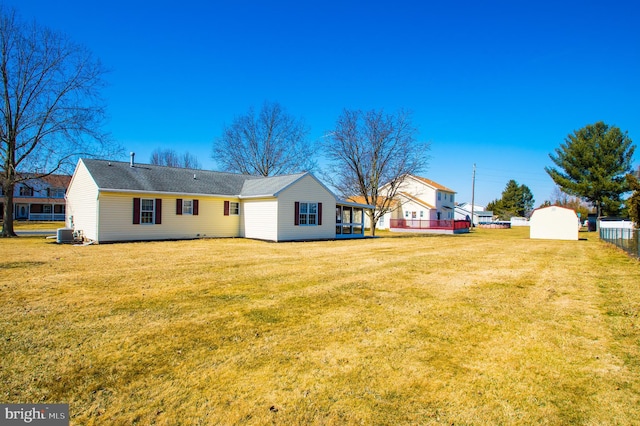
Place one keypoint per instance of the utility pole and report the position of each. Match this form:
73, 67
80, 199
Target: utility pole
473, 192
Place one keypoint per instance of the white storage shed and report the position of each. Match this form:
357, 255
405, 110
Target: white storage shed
554, 223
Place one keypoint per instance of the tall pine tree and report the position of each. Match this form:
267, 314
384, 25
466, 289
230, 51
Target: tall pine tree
592, 164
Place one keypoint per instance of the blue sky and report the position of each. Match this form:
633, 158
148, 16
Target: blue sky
498, 84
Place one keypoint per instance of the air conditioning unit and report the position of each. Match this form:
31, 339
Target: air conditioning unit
64, 235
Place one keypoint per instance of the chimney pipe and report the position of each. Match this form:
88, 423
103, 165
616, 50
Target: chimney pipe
133, 154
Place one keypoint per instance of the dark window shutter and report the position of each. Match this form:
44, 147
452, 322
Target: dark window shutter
158, 211
195, 207
226, 208
319, 213
296, 219
179, 206
136, 211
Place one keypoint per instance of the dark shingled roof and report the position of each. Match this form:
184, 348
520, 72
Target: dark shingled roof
116, 175
268, 186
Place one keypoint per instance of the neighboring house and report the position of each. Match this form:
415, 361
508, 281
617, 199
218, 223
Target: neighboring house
554, 223
480, 215
420, 205
39, 199
110, 201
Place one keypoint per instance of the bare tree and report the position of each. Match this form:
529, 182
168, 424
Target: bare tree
164, 157
168, 157
190, 161
369, 150
270, 143
50, 111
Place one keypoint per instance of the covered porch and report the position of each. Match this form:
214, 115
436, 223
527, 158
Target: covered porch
350, 220
43, 210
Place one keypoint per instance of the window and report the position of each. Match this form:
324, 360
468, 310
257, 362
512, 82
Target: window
46, 208
147, 209
357, 216
231, 208
55, 192
308, 213
439, 195
346, 214
187, 206
25, 191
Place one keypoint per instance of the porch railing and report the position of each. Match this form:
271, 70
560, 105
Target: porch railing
46, 217
448, 224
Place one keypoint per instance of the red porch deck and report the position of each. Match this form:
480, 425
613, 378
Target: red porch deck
448, 226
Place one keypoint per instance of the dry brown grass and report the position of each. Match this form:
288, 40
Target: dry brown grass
19, 225
485, 328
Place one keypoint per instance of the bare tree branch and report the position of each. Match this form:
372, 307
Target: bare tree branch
51, 111
371, 150
168, 157
269, 144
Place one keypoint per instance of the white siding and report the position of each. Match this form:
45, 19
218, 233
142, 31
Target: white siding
82, 203
307, 189
554, 223
444, 205
419, 190
422, 212
116, 219
383, 222
260, 219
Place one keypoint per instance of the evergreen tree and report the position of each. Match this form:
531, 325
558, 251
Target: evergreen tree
517, 200
634, 201
592, 164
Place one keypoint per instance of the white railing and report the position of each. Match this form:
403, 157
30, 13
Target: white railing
47, 217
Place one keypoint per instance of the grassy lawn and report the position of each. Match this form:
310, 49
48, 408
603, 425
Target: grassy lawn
19, 225
484, 328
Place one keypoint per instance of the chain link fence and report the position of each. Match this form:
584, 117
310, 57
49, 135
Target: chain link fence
626, 239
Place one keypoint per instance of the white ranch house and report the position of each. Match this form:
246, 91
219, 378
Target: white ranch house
110, 201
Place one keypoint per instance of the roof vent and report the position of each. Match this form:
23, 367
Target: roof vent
194, 175
133, 154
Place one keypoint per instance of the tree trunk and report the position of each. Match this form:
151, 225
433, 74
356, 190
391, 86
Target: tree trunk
374, 222
7, 219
